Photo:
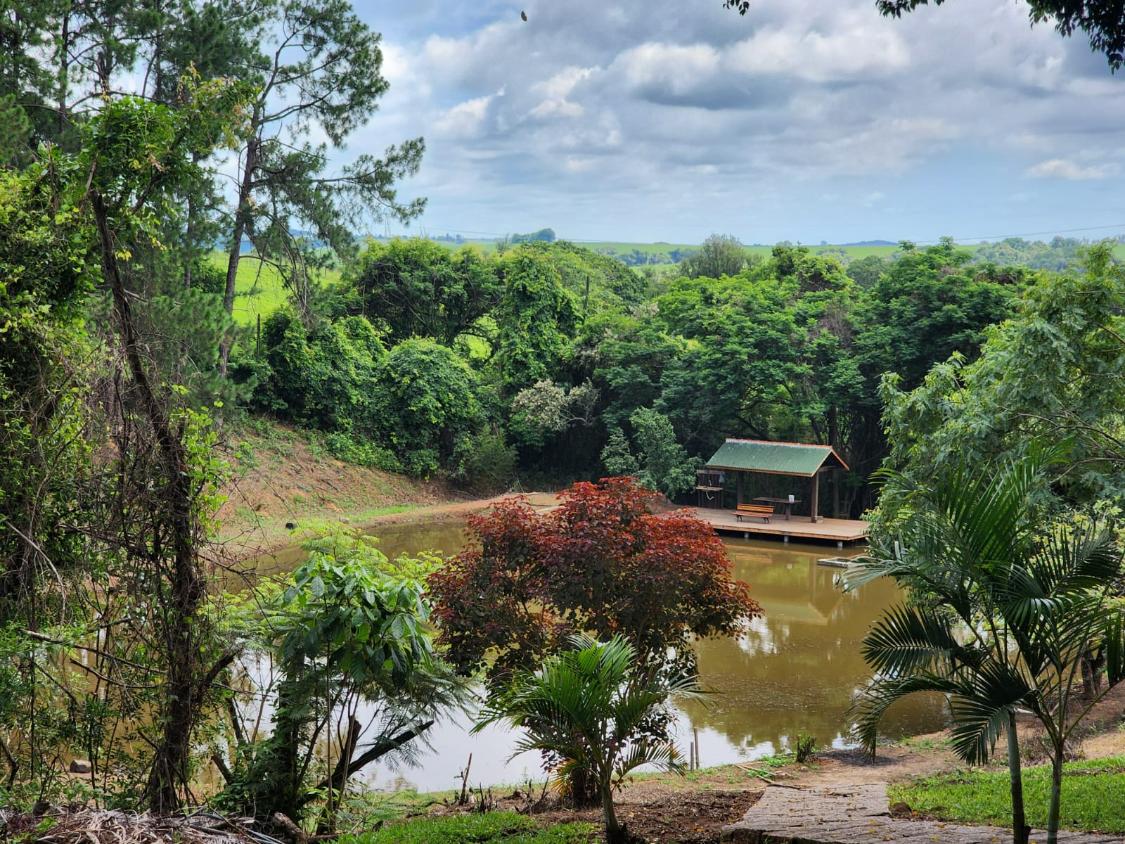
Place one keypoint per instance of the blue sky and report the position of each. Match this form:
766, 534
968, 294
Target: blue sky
805, 120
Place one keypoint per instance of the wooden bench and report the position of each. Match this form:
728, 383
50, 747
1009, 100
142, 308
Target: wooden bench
754, 511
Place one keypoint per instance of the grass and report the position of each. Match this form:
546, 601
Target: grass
258, 289
508, 827
1091, 796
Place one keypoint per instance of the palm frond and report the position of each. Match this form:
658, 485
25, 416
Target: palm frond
882, 693
980, 709
908, 639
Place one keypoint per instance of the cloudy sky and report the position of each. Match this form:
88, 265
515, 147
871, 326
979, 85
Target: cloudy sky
805, 120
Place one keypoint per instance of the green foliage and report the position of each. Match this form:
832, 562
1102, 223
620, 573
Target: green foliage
928, 304
535, 318
350, 625
1007, 613
596, 281
324, 378
1051, 373
46, 272
424, 399
508, 827
593, 710
617, 457
1090, 795
803, 748
720, 255
660, 463
1062, 254
484, 463
542, 235
347, 448
419, 289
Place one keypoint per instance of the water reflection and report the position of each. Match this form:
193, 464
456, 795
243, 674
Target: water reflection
795, 670
798, 667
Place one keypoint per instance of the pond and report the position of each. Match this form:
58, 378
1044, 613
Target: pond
795, 670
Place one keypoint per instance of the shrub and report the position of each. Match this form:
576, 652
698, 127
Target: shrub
804, 747
347, 448
484, 463
594, 711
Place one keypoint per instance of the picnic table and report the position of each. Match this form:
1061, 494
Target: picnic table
787, 503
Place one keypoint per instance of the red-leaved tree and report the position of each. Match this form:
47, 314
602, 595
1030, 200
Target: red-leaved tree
602, 563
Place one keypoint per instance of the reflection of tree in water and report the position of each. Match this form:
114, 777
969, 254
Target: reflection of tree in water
797, 668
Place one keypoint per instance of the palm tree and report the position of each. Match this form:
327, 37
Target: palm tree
1005, 616
593, 706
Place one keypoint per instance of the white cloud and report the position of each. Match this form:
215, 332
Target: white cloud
466, 120
858, 45
692, 114
1064, 168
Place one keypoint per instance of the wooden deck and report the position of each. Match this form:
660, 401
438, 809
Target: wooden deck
839, 531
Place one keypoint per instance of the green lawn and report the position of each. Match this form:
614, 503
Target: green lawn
507, 827
1093, 796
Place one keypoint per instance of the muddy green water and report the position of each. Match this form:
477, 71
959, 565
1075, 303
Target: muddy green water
797, 669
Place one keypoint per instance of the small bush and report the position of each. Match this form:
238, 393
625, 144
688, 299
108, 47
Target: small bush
509, 827
484, 463
345, 447
804, 747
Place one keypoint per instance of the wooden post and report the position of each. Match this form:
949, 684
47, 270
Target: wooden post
814, 499
737, 489
836, 492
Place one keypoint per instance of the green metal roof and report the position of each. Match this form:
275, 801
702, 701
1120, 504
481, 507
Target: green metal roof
773, 457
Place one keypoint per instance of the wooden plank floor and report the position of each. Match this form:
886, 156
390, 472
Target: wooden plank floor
798, 527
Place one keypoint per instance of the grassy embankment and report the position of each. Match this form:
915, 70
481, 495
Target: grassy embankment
1093, 795
509, 827
283, 475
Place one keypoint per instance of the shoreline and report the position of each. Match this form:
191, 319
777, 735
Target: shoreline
272, 537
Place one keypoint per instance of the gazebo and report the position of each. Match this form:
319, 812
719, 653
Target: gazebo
766, 457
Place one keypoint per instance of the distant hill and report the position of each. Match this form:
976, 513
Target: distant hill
872, 243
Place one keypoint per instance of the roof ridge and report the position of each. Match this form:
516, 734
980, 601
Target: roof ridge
777, 442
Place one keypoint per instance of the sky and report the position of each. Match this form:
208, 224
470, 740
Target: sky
805, 120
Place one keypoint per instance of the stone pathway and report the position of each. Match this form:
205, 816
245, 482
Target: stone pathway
850, 814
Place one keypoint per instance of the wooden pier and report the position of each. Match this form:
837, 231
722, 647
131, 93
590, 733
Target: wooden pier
801, 528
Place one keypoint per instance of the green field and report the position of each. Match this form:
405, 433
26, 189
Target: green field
259, 290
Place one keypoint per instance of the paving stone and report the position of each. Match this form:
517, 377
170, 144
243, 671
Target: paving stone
855, 814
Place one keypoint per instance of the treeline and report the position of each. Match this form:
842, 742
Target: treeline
553, 362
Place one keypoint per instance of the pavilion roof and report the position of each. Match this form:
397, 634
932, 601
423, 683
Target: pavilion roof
774, 458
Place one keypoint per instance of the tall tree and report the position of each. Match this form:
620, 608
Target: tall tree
135, 154
418, 288
318, 68
720, 255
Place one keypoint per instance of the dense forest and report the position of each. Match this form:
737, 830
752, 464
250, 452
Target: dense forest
548, 362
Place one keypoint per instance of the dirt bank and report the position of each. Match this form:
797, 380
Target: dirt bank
282, 476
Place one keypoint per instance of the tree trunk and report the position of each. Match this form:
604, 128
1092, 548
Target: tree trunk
583, 788
1056, 794
1020, 829
172, 754
614, 832
241, 224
